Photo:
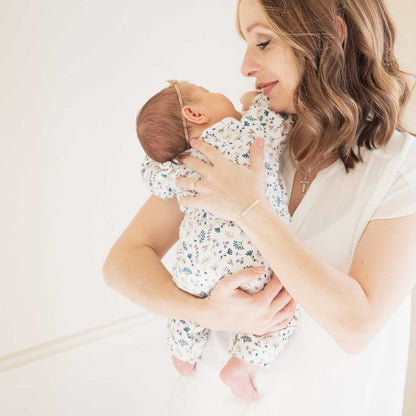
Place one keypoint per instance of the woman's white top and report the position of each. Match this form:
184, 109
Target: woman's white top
313, 376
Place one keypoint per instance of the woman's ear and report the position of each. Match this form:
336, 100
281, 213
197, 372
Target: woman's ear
342, 28
195, 114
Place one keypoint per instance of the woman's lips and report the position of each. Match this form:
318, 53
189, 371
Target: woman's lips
268, 87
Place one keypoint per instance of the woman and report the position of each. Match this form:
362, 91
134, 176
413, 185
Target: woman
348, 258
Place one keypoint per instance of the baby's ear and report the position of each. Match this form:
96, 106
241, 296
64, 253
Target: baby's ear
195, 114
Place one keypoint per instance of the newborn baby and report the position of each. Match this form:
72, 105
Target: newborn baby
210, 248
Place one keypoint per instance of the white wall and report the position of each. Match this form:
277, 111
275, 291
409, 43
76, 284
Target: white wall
73, 76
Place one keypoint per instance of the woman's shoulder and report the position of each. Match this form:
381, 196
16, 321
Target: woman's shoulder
402, 144
397, 157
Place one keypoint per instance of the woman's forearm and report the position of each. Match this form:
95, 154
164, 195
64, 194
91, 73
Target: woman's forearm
334, 299
139, 275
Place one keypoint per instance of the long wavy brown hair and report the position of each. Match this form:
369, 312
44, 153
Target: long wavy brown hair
351, 94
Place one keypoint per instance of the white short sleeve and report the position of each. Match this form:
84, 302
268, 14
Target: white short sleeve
401, 197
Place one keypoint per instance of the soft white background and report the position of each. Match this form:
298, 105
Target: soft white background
73, 76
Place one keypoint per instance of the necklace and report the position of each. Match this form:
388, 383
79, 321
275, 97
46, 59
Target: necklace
305, 181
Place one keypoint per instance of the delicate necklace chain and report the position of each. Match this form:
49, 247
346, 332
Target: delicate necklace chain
305, 181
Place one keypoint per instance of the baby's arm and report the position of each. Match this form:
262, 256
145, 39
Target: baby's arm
160, 178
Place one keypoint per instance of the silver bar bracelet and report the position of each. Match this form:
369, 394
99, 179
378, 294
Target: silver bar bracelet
243, 213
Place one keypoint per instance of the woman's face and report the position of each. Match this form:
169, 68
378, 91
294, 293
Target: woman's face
268, 58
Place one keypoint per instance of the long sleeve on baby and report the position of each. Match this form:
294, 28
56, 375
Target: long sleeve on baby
160, 177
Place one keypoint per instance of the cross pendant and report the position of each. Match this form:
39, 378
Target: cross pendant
305, 181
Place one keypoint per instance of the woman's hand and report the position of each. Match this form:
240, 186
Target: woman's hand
226, 188
231, 308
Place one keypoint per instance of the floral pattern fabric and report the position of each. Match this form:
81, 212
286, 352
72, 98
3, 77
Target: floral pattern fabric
209, 247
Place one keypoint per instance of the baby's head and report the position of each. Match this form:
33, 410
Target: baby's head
179, 112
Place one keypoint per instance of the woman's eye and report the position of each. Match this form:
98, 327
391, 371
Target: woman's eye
263, 44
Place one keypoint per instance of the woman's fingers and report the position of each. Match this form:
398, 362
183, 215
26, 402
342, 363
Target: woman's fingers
271, 290
285, 314
280, 301
235, 280
214, 155
185, 182
197, 165
257, 313
281, 325
256, 155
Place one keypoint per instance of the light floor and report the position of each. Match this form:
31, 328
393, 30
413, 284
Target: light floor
125, 374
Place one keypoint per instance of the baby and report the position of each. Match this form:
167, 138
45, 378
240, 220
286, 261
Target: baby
210, 248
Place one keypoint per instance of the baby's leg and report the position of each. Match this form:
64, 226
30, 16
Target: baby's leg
251, 352
238, 375
186, 340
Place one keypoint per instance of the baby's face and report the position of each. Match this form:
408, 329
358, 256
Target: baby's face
217, 106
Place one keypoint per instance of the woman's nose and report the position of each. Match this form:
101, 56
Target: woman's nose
248, 67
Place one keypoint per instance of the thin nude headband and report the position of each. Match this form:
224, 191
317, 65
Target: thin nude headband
176, 86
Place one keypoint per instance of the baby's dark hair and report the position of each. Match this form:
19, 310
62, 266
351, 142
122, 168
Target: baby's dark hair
159, 124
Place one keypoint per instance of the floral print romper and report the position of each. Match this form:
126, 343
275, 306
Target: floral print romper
210, 248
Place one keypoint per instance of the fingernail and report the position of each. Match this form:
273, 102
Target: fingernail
259, 269
260, 141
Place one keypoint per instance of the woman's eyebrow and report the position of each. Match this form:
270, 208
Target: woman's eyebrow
251, 27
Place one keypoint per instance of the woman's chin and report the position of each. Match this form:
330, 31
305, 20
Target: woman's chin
282, 108
279, 104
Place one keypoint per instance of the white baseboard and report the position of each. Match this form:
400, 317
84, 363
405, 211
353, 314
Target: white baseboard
74, 340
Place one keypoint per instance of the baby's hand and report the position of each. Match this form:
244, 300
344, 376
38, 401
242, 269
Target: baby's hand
247, 98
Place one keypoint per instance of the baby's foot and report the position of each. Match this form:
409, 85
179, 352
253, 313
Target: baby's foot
237, 374
184, 368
